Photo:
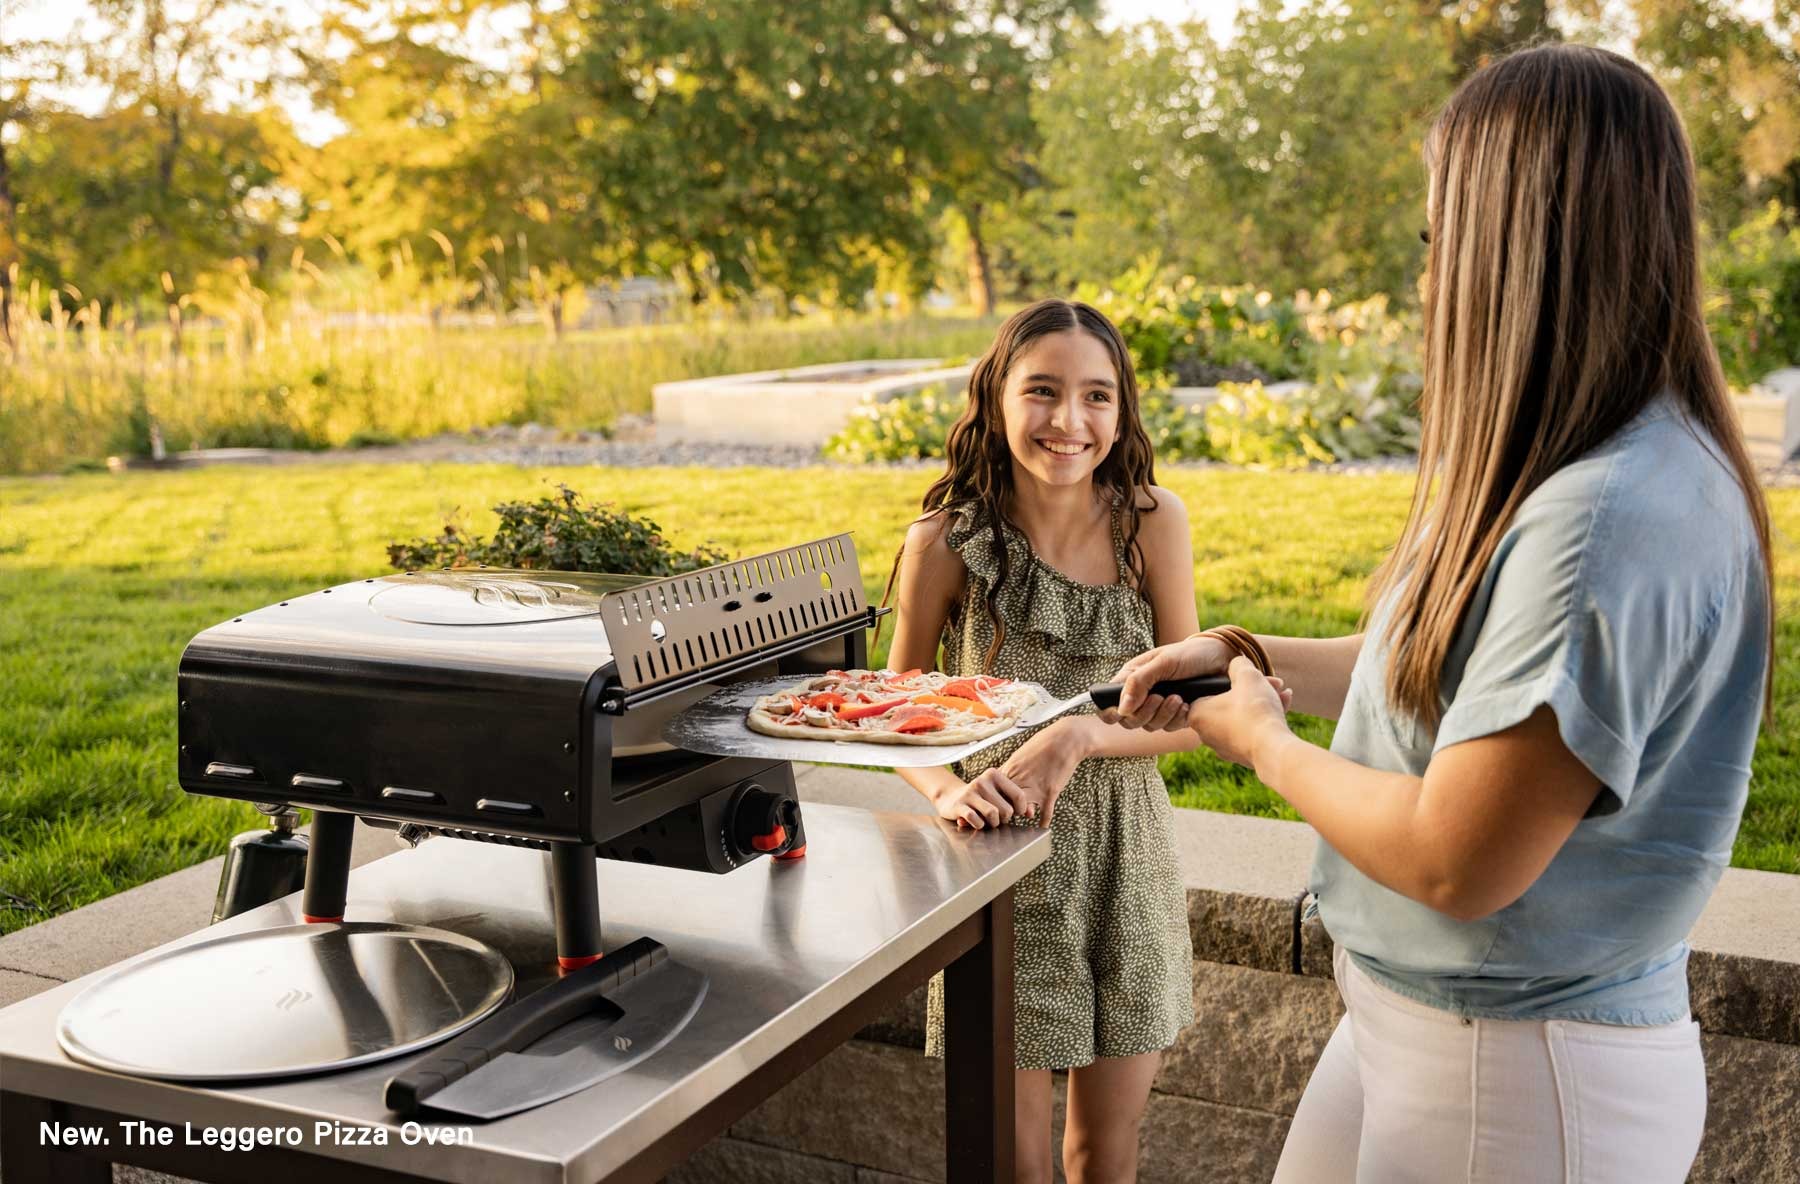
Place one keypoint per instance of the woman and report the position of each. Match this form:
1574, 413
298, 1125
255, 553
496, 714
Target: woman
1545, 734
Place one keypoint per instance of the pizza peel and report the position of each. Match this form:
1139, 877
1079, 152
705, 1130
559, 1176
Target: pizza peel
715, 725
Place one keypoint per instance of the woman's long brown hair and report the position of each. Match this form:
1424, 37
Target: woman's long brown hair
1562, 294
978, 474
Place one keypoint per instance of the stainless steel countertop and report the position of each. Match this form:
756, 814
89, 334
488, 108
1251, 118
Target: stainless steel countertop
784, 944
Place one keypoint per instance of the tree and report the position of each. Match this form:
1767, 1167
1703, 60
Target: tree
1288, 158
170, 180
25, 68
1738, 88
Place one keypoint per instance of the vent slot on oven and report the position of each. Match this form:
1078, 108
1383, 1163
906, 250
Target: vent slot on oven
706, 624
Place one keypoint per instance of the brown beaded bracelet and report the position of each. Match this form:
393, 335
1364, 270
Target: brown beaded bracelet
1242, 642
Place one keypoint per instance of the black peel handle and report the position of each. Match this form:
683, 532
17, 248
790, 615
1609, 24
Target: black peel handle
1187, 689
521, 1023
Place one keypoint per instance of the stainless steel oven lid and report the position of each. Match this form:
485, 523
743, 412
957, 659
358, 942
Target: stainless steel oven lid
285, 1002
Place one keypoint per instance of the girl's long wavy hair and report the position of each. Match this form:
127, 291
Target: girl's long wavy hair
1562, 294
978, 471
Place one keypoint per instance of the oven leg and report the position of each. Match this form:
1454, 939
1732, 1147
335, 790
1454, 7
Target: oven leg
328, 866
978, 1054
575, 891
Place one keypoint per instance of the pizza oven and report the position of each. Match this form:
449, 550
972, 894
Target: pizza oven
522, 707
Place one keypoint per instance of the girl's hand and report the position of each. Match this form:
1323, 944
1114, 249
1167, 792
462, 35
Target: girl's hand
990, 800
1138, 708
1238, 723
1043, 765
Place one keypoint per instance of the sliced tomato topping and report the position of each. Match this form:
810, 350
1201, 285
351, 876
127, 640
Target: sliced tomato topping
869, 710
919, 723
826, 701
964, 688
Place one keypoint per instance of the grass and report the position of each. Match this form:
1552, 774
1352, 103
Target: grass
104, 578
71, 398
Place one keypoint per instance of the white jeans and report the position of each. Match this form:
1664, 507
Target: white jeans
1408, 1094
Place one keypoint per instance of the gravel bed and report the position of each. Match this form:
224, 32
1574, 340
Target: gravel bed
635, 447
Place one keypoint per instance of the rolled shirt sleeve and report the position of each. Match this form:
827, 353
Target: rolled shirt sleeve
1569, 620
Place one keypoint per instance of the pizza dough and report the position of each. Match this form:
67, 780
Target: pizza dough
881, 707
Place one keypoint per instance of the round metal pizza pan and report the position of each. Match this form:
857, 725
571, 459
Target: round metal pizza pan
285, 1002
716, 725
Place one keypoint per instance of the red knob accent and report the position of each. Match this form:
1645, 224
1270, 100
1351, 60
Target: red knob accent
772, 841
797, 853
567, 964
311, 920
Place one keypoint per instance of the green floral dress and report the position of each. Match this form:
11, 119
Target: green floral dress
1103, 962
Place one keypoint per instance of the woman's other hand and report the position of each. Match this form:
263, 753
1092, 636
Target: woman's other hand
992, 799
1043, 765
1238, 723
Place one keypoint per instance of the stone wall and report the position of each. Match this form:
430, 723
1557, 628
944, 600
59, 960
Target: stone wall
1264, 1004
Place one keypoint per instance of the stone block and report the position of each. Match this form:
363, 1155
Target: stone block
865, 1104
1256, 931
733, 1161
1735, 995
1753, 1100
1255, 1038
17, 984
801, 407
1190, 1142
1771, 420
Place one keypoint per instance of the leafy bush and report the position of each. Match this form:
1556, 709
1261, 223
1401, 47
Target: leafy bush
912, 426
1198, 336
1337, 420
1753, 302
1358, 360
558, 532
1177, 430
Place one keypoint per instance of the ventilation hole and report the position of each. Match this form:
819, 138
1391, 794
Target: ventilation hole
825, 580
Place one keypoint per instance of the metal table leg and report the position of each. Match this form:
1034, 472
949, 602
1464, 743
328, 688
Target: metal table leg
978, 1054
31, 1158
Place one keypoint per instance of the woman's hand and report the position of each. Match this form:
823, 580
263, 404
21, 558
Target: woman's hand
1238, 724
1138, 708
1043, 765
992, 799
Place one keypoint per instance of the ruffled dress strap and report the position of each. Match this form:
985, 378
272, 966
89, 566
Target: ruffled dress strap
1044, 610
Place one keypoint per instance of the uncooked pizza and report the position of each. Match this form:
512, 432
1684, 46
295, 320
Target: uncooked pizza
881, 707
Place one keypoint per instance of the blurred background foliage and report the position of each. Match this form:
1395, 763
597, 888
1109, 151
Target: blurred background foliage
278, 229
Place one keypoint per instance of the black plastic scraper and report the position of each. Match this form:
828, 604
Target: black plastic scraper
593, 1023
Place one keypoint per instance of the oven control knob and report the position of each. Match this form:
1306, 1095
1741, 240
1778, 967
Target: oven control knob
765, 822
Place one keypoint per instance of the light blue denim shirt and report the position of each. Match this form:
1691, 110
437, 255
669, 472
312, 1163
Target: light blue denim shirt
1628, 595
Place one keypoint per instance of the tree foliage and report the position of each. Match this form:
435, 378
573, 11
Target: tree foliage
503, 154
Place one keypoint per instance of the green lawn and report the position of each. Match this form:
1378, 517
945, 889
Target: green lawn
104, 578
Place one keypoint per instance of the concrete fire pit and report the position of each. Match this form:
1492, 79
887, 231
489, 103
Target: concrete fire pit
803, 407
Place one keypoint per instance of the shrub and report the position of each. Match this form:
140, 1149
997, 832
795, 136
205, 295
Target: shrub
1177, 430
557, 532
1197, 336
1753, 301
912, 426
1337, 420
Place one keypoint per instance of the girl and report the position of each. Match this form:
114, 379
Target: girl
1046, 553
1544, 738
